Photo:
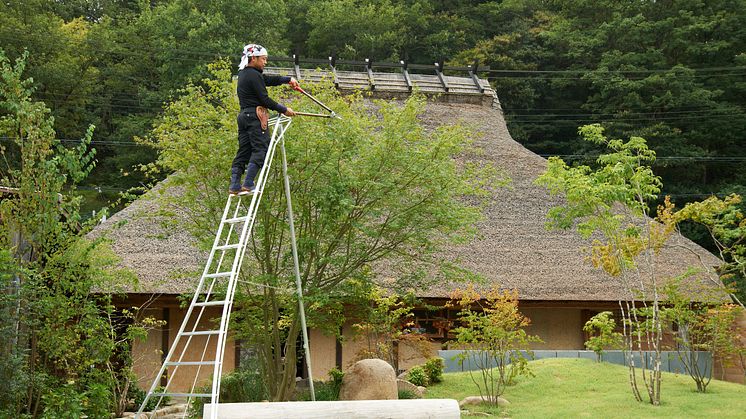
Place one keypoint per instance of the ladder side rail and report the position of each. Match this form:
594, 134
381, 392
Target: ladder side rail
203, 308
207, 296
248, 226
171, 351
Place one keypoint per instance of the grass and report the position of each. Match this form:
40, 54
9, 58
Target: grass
583, 388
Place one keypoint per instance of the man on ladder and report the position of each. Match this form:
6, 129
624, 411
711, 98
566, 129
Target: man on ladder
253, 132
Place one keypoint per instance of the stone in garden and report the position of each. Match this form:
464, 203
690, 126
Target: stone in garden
475, 400
423, 390
369, 379
404, 385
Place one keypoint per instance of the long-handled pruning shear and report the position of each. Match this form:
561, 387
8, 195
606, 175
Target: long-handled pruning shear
331, 114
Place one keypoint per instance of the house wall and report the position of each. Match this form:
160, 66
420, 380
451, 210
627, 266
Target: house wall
351, 346
410, 355
185, 375
558, 328
147, 353
323, 354
732, 369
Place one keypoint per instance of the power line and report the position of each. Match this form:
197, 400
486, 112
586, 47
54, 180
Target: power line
73, 141
149, 53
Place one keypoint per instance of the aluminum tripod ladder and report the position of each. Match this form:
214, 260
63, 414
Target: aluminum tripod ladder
217, 287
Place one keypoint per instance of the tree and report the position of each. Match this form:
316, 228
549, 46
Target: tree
702, 327
723, 219
365, 189
603, 324
60, 338
493, 332
355, 30
385, 323
612, 202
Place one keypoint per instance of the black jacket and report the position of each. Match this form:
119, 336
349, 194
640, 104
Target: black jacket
252, 89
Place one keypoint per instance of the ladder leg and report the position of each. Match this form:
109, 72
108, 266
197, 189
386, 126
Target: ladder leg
296, 268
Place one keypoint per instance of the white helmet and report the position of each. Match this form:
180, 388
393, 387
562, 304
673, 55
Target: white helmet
251, 50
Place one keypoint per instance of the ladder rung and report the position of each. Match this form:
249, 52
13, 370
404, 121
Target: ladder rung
236, 220
210, 303
202, 333
178, 363
219, 274
181, 394
228, 246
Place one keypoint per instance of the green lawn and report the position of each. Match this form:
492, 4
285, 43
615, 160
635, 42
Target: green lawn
583, 388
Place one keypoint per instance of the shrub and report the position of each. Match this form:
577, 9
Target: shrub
325, 391
336, 375
138, 395
493, 332
416, 375
406, 394
242, 385
434, 369
602, 325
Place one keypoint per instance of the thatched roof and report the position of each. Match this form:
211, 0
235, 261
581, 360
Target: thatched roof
513, 250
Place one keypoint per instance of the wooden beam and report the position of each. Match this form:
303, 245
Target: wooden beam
406, 75
369, 67
439, 73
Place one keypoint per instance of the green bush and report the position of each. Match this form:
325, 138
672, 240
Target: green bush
336, 375
416, 375
138, 395
434, 368
406, 394
242, 385
325, 391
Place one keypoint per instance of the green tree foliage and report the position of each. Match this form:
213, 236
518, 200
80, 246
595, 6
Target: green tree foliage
60, 341
385, 324
724, 221
708, 328
602, 328
613, 202
493, 333
670, 72
367, 188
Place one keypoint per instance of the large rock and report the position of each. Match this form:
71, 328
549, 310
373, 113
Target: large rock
369, 379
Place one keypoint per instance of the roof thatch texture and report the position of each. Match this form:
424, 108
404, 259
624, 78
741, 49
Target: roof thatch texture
513, 249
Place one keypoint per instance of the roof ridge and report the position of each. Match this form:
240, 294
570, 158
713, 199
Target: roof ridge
396, 85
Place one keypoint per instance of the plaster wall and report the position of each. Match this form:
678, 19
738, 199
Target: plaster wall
147, 353
323, 354
558, 328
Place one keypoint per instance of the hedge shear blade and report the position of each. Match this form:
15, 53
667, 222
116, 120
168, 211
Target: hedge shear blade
331, 114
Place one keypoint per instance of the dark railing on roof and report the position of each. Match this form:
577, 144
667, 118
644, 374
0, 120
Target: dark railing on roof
334, 63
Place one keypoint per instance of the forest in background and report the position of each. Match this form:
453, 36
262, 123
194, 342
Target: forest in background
673, 72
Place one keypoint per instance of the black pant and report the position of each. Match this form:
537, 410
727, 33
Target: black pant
253, 142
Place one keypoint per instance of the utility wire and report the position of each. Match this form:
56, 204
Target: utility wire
151, 52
